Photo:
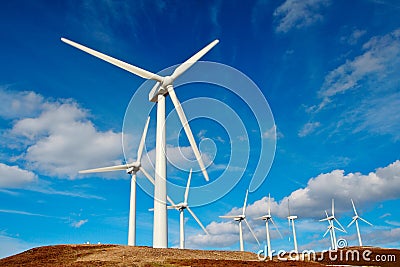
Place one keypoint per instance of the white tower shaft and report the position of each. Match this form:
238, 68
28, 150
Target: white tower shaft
268, 240
181, 230
132, 213
294, 237
160, 224
358, 233
241, 236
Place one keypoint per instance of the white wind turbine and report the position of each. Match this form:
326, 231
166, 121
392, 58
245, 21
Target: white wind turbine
162, 88
291, 219
240, 218
181, 207
268, 218
331, 228
355, 219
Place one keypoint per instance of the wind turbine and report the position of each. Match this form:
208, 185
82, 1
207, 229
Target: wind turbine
268, 218
240, 218
181, 207
162, 88
291, 218
331, 228
355, 219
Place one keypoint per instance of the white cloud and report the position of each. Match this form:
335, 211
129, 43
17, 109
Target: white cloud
19, 104
78, 224
272, 133
383, 184
14, 177
60, 140
354, 37
299, 14
308, 128
380, 54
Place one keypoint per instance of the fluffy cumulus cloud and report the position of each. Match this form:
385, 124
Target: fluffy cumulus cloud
14, 177
19, 104
58, 139
311, 201
298, 14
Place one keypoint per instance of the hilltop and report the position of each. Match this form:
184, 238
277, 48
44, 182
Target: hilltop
117, 255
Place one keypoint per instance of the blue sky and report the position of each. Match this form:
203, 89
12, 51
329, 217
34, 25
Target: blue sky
328, 69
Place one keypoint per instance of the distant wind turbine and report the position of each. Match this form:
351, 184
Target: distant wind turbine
331, 228
356, 217
291, 219
240, 218
268, 218
181, 207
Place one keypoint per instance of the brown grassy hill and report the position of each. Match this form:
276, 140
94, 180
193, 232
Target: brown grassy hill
116, 255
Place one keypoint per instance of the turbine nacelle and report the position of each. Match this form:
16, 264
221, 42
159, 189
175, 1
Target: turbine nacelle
292, 217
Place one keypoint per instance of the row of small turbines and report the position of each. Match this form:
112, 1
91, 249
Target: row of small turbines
291, 221
162, 88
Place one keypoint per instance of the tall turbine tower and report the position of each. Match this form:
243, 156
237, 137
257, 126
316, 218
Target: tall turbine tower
181, 207
331, 220
355, 220
268, 218
162, 88
291, 219
240, 218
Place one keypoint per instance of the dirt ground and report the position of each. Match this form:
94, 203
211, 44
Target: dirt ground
116, 255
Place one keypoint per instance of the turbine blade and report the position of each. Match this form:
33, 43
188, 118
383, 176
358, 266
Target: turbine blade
354, 207
229, 216
333, 207
251, 230
245, 202
327, 231
324, 219
188, 131
123, 65
142, 140
170, 201
276, 227
187, 187
366, 221
341, 226
197, 220
188, 63
351, 222
326, 213
107, 169
339, 229
151, 179
173, 207
148, 176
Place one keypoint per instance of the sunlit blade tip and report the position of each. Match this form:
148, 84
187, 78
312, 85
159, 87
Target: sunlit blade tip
116, 62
